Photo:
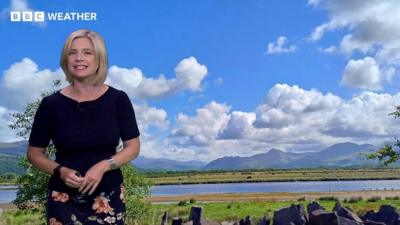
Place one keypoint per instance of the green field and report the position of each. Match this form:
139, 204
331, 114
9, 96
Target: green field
217, 211
196, 177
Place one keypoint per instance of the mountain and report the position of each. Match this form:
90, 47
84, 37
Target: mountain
338, 155
10, 153
167, 164
274, 158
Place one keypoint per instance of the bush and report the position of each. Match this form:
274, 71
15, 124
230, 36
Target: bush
192, 201
353, 199
301, 199
328, 198
374, 199
393, 198
183, 203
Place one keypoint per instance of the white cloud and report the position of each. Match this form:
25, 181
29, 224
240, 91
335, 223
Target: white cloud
150, 116
19, 5
6, 134
23, 81
370, 28
239, 126
290, 118
203, 128
279, 46
189, 77
218, 81
363, 73
329, 50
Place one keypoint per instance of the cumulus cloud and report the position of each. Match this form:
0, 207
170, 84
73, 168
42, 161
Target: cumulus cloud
203, 128
189, 76
279, 46
289, 118
370, 28
363, 73
150, 116
15, 80
23, 81
240, 125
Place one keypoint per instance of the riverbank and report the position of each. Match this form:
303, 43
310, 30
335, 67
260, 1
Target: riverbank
287, 175
276, 196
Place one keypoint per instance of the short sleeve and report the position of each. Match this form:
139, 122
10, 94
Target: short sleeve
126, 118
41, 128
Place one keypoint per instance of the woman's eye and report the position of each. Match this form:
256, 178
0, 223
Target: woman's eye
88, 53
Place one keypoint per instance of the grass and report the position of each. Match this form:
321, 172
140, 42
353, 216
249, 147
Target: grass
218, 211
22, 217
196, 177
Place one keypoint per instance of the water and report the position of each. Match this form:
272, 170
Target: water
265, 187
7, 195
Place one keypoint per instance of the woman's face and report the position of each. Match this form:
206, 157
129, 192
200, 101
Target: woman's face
82, 59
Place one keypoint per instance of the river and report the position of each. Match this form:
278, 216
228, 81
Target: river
264, 187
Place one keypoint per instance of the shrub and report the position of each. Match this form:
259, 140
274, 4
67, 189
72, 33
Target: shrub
183, 203
301, 199
328, 198
353, 199
374, 199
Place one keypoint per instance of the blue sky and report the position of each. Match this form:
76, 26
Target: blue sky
218, 78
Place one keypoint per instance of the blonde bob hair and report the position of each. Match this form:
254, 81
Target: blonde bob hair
99, 51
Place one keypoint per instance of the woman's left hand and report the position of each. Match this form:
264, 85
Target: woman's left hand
93, 177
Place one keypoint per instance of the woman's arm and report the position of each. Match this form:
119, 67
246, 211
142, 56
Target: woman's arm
94, 175
39, 160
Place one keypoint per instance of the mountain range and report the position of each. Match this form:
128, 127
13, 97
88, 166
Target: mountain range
339, 155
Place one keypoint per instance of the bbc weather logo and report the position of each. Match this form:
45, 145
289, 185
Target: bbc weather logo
40, 16
27, 16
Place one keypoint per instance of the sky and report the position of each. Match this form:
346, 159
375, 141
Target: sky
209, 78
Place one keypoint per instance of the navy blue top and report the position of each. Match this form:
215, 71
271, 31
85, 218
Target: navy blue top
84, 133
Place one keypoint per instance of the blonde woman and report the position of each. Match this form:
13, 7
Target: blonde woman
85, 122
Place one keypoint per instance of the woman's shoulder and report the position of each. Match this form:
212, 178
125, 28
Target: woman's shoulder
118, 92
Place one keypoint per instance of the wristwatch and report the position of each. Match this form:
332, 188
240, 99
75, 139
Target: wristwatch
57, 171
112, 163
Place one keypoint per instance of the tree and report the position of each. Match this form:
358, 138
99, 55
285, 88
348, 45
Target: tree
32, 186
389, 153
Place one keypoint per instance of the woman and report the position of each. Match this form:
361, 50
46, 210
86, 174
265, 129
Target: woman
85, 121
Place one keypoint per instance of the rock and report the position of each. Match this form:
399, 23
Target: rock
164, 220
195, 215
294, 214
177, 221
386, 214
347, 213
373, 223
314, 206
245, 221
264, 221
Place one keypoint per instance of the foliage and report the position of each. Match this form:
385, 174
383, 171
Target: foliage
389, 153
136, 188
32, 186
8, 178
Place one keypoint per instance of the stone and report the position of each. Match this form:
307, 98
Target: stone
294, 214
386, 214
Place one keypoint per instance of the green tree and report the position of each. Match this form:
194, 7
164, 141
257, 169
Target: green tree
32, 186
389, 153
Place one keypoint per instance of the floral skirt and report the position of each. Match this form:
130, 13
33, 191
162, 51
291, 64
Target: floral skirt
77, 209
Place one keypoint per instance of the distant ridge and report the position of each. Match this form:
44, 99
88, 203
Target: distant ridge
346, 154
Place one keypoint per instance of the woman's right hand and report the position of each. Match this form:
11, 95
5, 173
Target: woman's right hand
70, 177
